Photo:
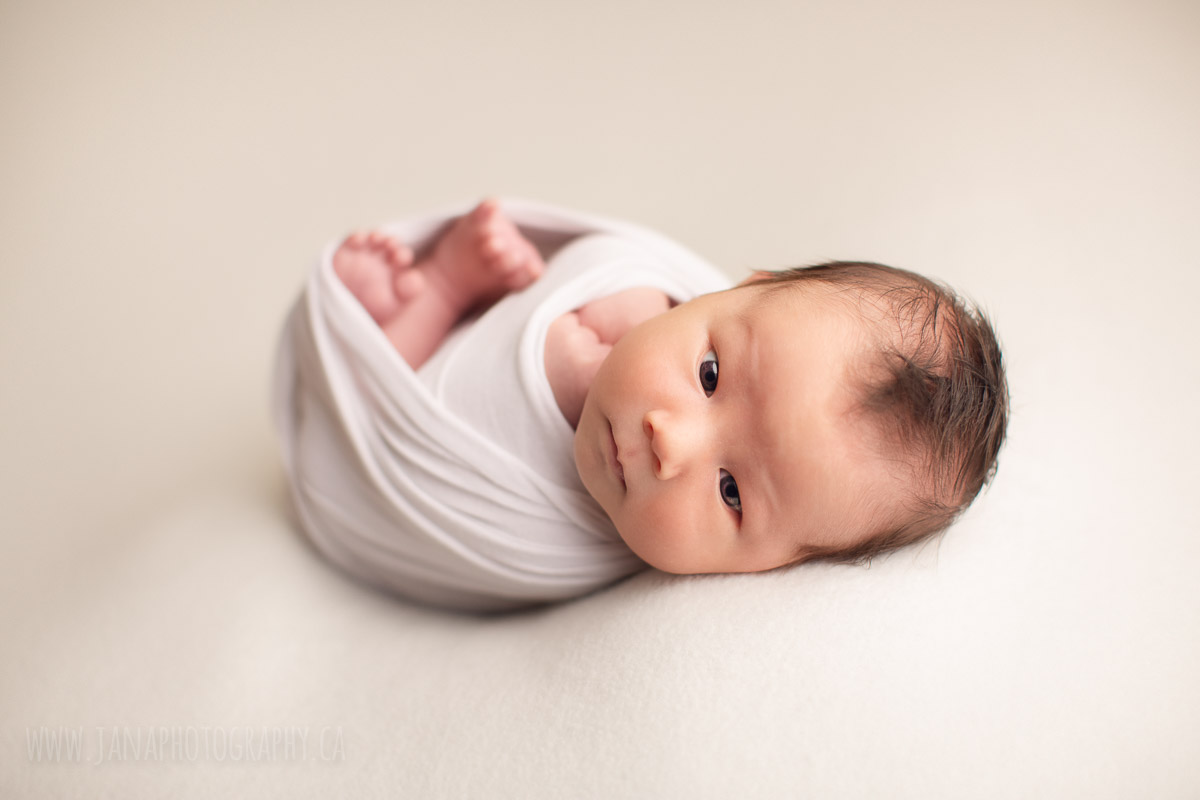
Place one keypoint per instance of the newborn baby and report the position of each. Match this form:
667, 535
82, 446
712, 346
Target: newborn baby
835, 412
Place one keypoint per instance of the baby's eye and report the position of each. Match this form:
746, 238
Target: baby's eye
708, 373
729, 492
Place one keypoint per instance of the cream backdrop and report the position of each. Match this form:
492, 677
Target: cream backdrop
168, 171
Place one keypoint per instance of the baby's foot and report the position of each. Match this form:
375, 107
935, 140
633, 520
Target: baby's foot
377, 269
478, 260
482, 257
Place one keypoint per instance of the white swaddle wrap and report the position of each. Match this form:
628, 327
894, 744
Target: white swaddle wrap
455, 485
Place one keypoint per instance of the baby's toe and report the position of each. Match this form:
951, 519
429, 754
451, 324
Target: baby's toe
486, 211
491, 244
408, 284
345, 256
399, 255
494, 252
520, 271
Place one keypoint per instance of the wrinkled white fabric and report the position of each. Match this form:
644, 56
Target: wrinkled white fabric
456, 486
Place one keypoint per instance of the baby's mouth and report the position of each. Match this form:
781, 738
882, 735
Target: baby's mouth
618, 468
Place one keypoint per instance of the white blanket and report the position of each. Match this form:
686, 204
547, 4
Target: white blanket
399, 489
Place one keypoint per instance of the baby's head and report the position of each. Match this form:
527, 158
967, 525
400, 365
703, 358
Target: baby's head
833, 412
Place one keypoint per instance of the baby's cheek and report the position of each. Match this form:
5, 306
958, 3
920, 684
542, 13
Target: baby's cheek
662, 515
667, 526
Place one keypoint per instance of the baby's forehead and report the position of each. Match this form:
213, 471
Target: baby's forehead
860, 317
864, 306
847, 336
802, 352
843, 491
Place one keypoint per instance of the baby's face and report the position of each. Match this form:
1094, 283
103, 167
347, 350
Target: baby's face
717, 439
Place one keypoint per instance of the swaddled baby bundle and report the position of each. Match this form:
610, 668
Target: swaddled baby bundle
455, 484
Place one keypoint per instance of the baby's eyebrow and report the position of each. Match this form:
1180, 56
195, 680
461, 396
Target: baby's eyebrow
747, 367
757, 473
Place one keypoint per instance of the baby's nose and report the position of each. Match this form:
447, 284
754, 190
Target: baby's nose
672, 442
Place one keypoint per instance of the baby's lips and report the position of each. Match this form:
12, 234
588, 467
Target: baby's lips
615, 453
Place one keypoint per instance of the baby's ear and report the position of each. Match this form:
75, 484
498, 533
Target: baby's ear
755, 277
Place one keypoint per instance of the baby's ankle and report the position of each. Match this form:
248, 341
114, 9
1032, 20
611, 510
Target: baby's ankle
440, 282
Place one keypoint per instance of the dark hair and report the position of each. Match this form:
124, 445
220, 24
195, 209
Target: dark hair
936, 393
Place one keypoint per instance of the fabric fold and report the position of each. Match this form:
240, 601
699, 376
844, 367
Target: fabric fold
403, 486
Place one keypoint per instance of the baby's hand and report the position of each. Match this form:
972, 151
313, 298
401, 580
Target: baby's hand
579, 341
617, 314
574, 353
